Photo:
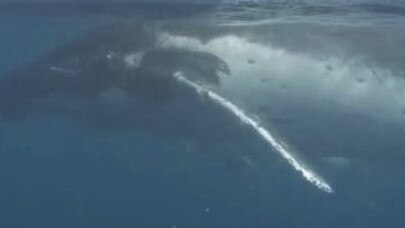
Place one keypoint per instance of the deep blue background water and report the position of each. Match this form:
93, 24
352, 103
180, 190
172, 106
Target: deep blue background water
61, 172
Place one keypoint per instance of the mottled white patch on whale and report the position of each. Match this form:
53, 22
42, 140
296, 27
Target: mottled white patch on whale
379, 93
133, 60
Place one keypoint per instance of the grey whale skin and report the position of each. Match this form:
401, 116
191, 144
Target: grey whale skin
95, 64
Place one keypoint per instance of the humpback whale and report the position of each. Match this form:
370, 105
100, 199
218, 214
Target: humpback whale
99, 63
96, 63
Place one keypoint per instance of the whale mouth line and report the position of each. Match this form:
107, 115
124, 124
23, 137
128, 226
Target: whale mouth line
308, 174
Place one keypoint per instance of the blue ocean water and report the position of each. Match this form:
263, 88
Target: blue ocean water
187, 163
28, 35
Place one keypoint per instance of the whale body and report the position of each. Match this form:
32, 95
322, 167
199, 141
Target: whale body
96, 63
